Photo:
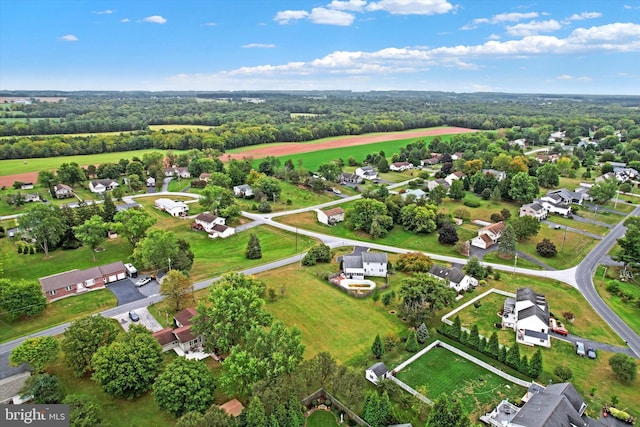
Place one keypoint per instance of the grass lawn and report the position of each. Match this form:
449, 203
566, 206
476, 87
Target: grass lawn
330, 320
440, 371
606, 217
58, 312
576, 247
628, 311
300, 197
495, 258
322, 419
585, 226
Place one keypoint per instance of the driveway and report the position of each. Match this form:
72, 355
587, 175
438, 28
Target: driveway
146, 319
125, 291
592, 344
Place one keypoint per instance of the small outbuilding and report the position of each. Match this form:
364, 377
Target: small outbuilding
376, 373
330, 216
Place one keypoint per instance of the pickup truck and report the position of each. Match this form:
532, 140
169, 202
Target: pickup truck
557, 327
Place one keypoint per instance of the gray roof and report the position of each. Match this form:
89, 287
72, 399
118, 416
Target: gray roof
106, 182
527, 293
127, 206
555, 407
535, 206
454, 274
351, 261
374, 257
73, 277
243, 187
379, 369
536, 334
534, 310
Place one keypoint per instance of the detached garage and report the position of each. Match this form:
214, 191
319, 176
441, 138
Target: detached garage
78, 281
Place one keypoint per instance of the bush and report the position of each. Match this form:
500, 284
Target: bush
486, 194
264, 207
613, 287
472, 203
496, 217
546, 248
563, 372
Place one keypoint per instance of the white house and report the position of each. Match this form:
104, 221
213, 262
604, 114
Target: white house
417, 193
367, 172
221, 231
102, 185
535, 210
330, 216
453, 177
431, 185
180, 172
400, 166
499, 175
151, 181
207, 221
62, 191
554, 203
488, 236
349, 178
455, 276
26, 186
243, 190
377, 372
365, 264
528, 315
172, 207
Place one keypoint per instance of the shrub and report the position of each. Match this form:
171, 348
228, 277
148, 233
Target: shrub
462, 213
506, 214
563, 372
546, 248
264, 207
496, 217
486, 194
472, 203
477, 304
613, 287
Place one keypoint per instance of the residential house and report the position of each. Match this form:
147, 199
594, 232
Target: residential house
416, 193
365, 264
232, 407
434, 160
127, 206
243, 190
528, 315
367, 172
349, 178
431, 185
32, 197
75, 282
181, 338
499, 175
453, 177
521, 142
488, 235
455, 276
625, 174
535, 210
555, 405
172, 207
376, 373
176, 171
330, 216
400, 166
102, 185
207, 221
556, 136
205, 177
605, 177
457, 155
567, 196
151, 181
26, 186
221, 231
62, 191
555, 203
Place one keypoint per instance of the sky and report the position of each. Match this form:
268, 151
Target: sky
550, 46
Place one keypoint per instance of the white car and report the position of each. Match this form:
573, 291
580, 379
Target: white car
143, 281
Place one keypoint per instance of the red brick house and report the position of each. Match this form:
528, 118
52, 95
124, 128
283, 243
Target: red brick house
79, 281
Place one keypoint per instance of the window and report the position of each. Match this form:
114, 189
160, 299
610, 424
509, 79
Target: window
69, 288
53, 292
90, 282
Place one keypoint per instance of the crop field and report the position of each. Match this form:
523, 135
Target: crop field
441, 372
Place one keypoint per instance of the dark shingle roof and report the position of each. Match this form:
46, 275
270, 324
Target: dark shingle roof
184, 317
334, 211
549, 408
351, 261
164, 336
374, 257
379, 369
534, 310
206, 217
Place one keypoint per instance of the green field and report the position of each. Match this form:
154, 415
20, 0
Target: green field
321, 418
441, 372
628, 311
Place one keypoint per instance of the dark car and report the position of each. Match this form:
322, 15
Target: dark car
134, 316
591, 353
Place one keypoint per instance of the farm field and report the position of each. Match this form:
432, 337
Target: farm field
441, 372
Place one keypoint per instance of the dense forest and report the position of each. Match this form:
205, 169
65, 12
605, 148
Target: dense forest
46, 129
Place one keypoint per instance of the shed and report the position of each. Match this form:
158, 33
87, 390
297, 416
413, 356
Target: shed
377, 372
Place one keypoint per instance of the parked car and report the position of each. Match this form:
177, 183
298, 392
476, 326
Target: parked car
580, 349
134, 316
143, 281
591, 353
557, 227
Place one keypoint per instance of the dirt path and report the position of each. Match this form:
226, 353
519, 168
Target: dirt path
291, 148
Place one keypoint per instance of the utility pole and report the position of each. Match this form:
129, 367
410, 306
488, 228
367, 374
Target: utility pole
515, 264
564, 236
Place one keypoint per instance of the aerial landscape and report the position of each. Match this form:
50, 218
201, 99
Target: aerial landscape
342, 212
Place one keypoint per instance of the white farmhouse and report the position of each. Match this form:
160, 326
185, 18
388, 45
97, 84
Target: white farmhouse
367, 172
488, 236
528, 315
400, 166
365, 264
330, 216
172, 207
102, 185
455, 276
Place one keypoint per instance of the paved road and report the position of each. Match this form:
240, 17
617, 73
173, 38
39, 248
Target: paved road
584, 279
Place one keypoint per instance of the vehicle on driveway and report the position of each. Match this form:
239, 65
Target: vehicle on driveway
580, 349
134, 316
591, 353
143, 281
557, 327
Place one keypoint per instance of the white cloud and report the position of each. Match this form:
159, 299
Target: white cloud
350, 5
570, 77
69, 38
259, 46
584, 15
494, 37
286, 16
411, 7
125, 20
629, 7
320, 15
155, 19
501, 18
209, 24
533, 28
103, 12
564, 77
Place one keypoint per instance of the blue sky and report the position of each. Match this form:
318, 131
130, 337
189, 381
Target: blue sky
559, 46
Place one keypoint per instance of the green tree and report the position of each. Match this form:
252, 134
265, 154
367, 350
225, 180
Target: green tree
383, 165
215, 199
133, 224
265, 354
629, 253
370, 216
418, 219
92, 233
330, 171
513, 357
177, 288
548, 175
161, 249
603, 191
474, 337
71, 174
83, 338
235, 306
44, 224
254, 251
422, 333
448, 234
546, 248
535, 367
475, 269
109, 209
220, 179
47, 179
525, 227
507, 243
185, 385
45, 389
21, 298
422, 295
83, 412
457, 192
128, 366
270, 187
447, 412
624, 367
414, 261
36, 352
438, 194
377, 348
216, 416
496, 194
256, 416
563, 372
493, 346
524, 188
411, 345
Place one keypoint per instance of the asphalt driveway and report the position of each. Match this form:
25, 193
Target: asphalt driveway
125, 291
